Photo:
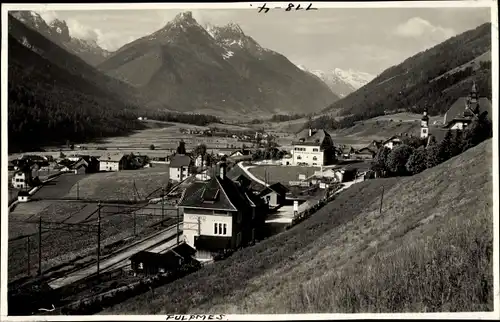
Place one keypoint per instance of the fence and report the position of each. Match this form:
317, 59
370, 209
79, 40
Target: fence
48, 247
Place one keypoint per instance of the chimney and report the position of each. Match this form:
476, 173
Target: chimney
310, 132
222, 170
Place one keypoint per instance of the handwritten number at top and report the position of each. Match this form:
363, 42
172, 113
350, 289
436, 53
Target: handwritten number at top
289, 8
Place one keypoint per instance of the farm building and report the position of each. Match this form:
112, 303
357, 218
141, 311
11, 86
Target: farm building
86, 164
179, 167
274, 195
240, 153
346, 152
113, 162
314, 148
149, 263
365, 153
392, 142
220, 215
202, 160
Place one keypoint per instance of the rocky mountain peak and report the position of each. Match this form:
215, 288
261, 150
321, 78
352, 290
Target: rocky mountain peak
61, 28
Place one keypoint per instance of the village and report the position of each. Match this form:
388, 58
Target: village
209, 203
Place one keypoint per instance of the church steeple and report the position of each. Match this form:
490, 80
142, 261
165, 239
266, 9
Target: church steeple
424, 125
473, 93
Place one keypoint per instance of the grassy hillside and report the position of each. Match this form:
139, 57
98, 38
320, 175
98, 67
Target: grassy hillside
430, 249
409, 85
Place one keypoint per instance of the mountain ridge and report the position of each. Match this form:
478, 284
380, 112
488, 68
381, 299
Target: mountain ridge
58, 32
230, 72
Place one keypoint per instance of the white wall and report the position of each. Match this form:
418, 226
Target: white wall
458, 126
206, 225
178, 174
308, 155
109, 166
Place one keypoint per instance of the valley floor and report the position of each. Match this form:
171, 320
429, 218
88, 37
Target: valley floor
428, 249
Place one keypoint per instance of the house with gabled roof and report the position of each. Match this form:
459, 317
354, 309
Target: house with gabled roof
220, 215
274, 195
113, 162
179, 167
313, 148
464, 109
393, 141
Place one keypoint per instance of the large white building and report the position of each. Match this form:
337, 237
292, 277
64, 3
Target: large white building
313, 148
220, 215
179, 167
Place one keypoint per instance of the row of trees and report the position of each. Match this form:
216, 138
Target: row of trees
413, 157
195, 119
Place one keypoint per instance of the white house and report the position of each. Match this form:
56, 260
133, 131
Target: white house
22, 179
179, 167
113, 162
313, 148
219, 215
392, 142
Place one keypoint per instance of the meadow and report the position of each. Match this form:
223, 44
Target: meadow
428, 249
280, 173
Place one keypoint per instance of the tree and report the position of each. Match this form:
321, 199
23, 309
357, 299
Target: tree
397, 159
480, 129
417, 161
181, 149
379, 164
444, 150
61, 155
201, 149
152, 147
431, 157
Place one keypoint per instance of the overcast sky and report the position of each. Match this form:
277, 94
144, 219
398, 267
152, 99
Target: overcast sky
368, 40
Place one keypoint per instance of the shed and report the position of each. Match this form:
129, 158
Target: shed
23, 196
149, 263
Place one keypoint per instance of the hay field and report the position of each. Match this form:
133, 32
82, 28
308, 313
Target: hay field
119, 185
429, 250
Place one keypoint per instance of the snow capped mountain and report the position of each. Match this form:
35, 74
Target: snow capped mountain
355, 78
341, 82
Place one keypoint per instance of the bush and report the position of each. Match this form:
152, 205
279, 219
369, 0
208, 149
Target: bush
397, 159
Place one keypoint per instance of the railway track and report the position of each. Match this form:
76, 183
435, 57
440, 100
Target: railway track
119, 258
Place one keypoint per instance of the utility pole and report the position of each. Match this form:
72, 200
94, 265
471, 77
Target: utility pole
77, 191
98, 236
29, 255
40, 246
135, 228
162, 204
178, 223
381, 200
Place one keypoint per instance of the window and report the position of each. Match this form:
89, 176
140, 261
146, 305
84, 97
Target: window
314, 158
141, 266
424, 131
315, 164
315, 150
268, 199
299, 157
220, 229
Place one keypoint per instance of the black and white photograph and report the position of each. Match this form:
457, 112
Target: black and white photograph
244, 160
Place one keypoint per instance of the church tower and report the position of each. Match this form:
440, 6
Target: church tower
424, 125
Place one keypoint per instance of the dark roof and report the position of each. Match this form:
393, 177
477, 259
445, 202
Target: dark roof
437, 133
229, 196
243, 180
145, 256
366, 150
184, 250
459, 108
276, 187
317, 137
180, 160
23, 193
391, 138
212, 243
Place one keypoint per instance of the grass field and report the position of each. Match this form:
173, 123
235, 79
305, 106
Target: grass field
280, 173
60, 186
119, 185
430, 249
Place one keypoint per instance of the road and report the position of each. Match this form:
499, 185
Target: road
117, 259
248, 173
